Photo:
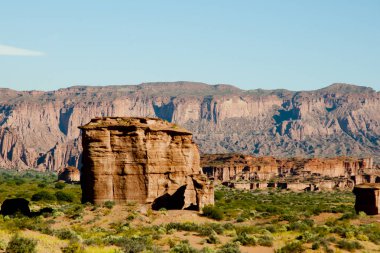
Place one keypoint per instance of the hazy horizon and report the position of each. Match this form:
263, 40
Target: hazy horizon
294, 45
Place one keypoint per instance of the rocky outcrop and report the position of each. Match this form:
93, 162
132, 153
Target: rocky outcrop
146, 160
15, 206
250, 172
69, 175
367, 198
40, 129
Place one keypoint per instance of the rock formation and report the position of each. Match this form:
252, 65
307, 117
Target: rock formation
146, 160
40, 129
14, 206
367, 198
250, 172
69, 175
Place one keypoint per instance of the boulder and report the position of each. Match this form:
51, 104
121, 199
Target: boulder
145, 160
69, 175
367, 198
14, 206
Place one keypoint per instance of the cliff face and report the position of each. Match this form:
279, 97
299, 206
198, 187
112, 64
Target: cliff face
40, 129
145, 160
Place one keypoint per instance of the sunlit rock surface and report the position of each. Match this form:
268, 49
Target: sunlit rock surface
145, 160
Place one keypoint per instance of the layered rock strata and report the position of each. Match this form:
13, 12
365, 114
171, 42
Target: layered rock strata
145, 160
40, 129
250, 172
367, 198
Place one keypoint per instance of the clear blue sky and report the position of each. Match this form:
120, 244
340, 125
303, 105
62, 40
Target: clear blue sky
293, 44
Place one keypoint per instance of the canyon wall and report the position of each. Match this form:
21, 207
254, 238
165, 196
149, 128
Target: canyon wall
40, 129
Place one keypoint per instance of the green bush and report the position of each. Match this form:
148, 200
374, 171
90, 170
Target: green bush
265, 240
229, 248
135, 244
43, 196
66, 234
183, 247
109, 204
73, 247
21, 245
60, 185
64, 196
213, 212
42, 185
246, 240
3, 245
213, 239
349, 245
292, 247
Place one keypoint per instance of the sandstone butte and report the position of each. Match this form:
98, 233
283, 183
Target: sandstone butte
144, 160
367, 198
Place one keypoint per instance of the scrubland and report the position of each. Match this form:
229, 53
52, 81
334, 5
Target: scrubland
240, 221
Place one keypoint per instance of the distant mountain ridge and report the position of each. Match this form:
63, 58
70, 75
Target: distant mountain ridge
40, 129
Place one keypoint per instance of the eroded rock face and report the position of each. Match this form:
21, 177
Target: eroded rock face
40, 129
69, 175
367, 198
145, 160
290, 173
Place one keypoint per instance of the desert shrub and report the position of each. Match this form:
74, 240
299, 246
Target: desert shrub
205, 230
35, 224
217, 227
19, 181
301, 225
265, 240
3, 245
349, 245
315, 246
372, 231
227, 226
213, 239
292, 247
183, 247
218, 195
207, 250
64, 196
308, 236
109, 204
246, 240
135, 244
187, 226
66, 234
60, 185
21, 245
213, 212
73, 247
74, 211
229, 248
288, 217
240, 219
43, 196
349, 215
42, 185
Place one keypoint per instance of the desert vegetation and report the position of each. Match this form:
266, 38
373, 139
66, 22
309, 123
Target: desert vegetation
240, 221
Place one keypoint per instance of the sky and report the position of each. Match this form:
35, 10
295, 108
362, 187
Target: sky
268, 44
